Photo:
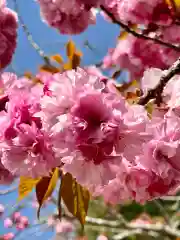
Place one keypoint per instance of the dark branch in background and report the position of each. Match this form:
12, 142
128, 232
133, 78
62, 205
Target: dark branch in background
136, 34
157, 91
29, 35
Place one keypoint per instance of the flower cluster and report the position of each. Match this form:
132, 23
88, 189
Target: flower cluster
76, 121
68, 17
138, 54
8, 34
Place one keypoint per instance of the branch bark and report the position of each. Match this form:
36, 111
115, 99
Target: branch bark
157, 91
136, 34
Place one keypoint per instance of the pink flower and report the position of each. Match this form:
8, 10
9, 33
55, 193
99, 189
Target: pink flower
171, 33
136, 55
64, 226
8, 236
8, 223
24, 221
68, 17
29, 152
2, 208
6, 176
140, 12
101, 237
51, 221
171, 93
16, 217
91, 128
20, 227
8, 35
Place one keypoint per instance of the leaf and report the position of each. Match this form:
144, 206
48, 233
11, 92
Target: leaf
116, 74
177, 3
123, 34
76, 60
57, 58
45, 188
26, 186
173, 3
70, 49
149, 108
47, 68
123, 87
67, 66
28, 75
75, 197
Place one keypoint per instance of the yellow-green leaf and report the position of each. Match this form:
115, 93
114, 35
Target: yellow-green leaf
45, 188
122, 35
28, 75
26, 186
124, 86
75, 197
68, 65
149, 108
70, 49
57, 58
172, 3
50, 69
177, 3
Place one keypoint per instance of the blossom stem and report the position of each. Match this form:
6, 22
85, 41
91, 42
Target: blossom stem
136, 34
156, 92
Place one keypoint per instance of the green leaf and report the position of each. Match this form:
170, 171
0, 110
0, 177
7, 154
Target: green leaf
75, 197
26, 186
45, 188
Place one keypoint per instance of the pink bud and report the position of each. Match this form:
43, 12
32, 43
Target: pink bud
102, 237
51, 221
8, 223
64, 227
20, 226
24, 220
16, 217
8, 236
1, 209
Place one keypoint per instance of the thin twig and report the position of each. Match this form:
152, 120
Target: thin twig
160, 228
156, 92
163, 211
7, 191
29, 35
171, 198
136, 34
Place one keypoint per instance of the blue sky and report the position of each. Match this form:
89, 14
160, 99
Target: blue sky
101, 36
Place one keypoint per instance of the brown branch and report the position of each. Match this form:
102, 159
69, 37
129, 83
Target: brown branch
156, 92
136, 34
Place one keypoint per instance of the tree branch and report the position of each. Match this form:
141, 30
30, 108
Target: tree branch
159, 228
156, 92
7, 191
136, 34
